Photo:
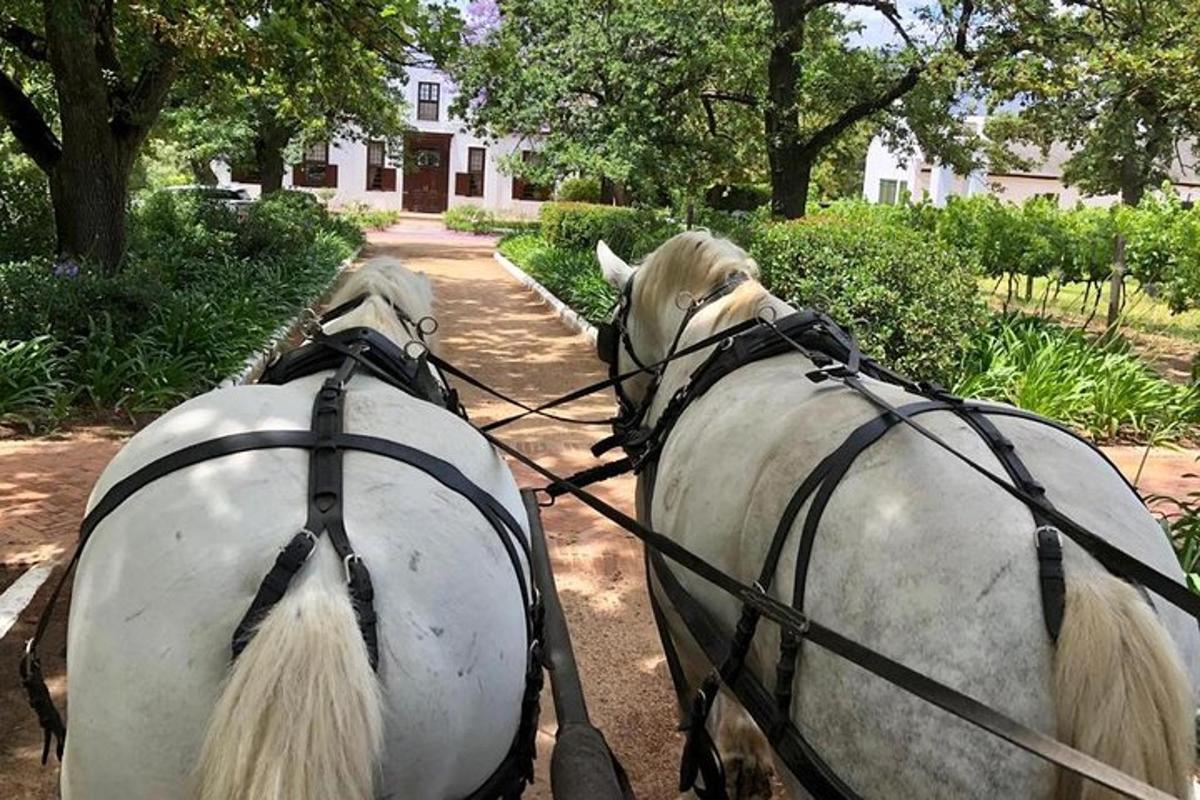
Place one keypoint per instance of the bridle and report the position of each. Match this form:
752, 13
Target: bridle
614, 334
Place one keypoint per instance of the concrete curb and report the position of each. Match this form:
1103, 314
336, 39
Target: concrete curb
569, 316
256, 363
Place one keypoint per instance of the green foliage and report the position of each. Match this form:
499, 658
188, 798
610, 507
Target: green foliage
469, 218
570, 274
200, 292
1115, 81
578, 190
913, 303
367, 218
31, 381
26, 216
1182, 527
1098, 386
738, 197
630, 232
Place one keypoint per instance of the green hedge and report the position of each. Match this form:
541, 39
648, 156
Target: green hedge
200, 292
630, 232
571, 275
912, 303
578, 190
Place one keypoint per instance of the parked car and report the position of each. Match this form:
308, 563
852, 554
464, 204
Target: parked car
237, 200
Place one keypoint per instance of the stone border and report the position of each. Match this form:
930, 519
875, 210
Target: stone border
569, 316
254, 365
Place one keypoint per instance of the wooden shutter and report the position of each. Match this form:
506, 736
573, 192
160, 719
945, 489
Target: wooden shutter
298, 175
462, 184
388, 179
518, 189
331, 175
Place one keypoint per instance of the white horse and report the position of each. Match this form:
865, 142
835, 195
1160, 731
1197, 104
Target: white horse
300, 714
916, 557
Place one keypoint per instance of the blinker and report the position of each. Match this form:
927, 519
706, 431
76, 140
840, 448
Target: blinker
608, 339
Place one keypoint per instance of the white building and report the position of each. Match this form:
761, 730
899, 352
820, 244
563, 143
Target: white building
889, 177
447, 164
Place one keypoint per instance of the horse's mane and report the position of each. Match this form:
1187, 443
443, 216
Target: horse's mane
696, 262
387, 281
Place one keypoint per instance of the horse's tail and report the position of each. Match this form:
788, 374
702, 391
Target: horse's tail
1121, 691
300, 715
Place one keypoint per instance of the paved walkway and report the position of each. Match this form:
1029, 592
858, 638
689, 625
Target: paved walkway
494, 328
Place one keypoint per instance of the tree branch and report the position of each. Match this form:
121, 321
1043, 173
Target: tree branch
825, 136
28, 43
28, 125
149, 93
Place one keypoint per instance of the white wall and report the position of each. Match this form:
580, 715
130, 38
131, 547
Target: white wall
350, 156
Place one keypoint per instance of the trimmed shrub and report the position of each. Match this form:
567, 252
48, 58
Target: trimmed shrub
367, 218
630, 232
571, 275
469, 218
578, 190
911, 302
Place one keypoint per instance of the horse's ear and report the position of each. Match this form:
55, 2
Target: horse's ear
616, 271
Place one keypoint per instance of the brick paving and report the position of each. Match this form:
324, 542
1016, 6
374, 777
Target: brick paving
44, 486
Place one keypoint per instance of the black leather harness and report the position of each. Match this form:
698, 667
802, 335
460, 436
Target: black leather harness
346, 353
836, 357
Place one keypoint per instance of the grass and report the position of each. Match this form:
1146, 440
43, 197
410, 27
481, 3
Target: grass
1143, 312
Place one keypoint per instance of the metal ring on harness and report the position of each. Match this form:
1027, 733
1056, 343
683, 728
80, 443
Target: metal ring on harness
427, 326
419, 347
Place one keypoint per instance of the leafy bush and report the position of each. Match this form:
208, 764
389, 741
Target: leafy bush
1182, 527
578, 190
26, 216
912, 303
630, 232
199, 292
368, 218
31, 381
1098, 386
571, 275
469, 218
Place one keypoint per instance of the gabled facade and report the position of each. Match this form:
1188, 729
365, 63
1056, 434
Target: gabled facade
889, 177
447, 164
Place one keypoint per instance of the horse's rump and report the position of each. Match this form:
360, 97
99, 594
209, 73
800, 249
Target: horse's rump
916, 556
169, 574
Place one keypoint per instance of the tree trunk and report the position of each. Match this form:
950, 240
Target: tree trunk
1028, 288
89, 194
791, 167
1116, 283
270, 139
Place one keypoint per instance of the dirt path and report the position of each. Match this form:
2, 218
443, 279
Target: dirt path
496, 329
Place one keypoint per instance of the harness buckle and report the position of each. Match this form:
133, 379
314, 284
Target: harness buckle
346, 562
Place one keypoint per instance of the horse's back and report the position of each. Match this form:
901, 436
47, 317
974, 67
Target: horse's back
169, 574
916, 556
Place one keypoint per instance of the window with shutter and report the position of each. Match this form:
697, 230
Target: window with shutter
314, 169
379, 177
